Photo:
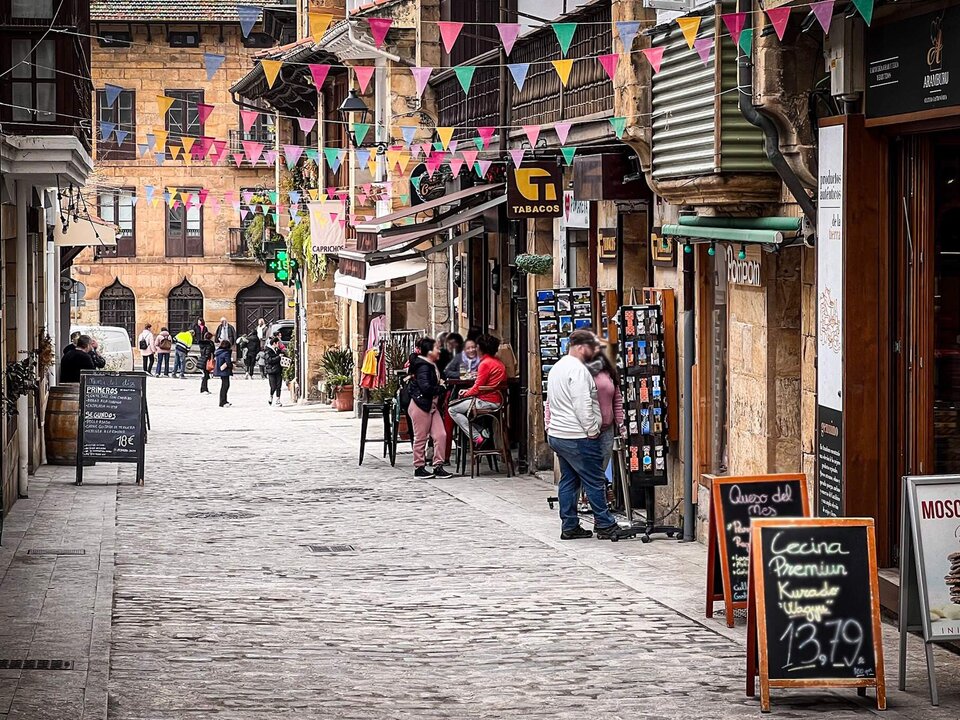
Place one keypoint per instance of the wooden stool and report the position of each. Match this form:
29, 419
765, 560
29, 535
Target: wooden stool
375, 410
498, 419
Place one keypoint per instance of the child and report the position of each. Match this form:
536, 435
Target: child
262, 363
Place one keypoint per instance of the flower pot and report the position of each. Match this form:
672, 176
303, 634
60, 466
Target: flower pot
343, 400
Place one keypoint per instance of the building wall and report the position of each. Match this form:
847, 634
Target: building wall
150, 68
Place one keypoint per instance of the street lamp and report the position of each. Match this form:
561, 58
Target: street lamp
354, 105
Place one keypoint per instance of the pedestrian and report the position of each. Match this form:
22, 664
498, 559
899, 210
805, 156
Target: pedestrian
99, 361
445, 355
207, 351
225, 331
484, 394
73, 342
164, 344
76, 359
181, 346
610, 399
262, 331
464, 363
426, 390
573, 432
250, 353
145, 342
223, 369
199, 330
273, 367
261, 363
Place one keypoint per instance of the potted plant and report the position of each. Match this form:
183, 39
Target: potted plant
338, 371
534, 264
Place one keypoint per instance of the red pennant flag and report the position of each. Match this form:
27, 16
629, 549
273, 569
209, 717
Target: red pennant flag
485, 134
609, 63
378, 28
735, 23
319, 74
778, 18
655, 57
364, 73
449, 32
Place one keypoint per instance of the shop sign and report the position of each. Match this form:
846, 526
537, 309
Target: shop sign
743, 272
535, 190
576, 213
326, 233
911, 62
607, 245
663, 251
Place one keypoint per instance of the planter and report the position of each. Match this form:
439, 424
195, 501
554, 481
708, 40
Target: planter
343, 399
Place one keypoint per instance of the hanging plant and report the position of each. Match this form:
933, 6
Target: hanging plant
534, 264
45, 357
21, 380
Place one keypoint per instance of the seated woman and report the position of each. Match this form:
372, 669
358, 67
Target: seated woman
464, 363
490, 374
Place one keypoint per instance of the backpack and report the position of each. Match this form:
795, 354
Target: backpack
165, 343
143, 343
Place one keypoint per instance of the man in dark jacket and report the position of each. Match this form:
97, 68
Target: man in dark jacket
225, 331
76, 360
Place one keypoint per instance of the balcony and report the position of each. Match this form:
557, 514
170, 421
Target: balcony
236, 138
239, 249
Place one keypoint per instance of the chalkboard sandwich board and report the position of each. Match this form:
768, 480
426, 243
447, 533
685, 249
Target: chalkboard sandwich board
736, 501
814, 611
112, 420
929, 566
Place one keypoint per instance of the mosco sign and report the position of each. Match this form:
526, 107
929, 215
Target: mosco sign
742, 272
535, 191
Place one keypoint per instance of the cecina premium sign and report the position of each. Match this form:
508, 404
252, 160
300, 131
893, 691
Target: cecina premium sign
743, 272
535, 191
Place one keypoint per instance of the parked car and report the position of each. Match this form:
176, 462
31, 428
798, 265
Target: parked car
285, 328
114, 344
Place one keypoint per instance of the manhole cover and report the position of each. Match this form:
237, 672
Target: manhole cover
226, 515
332, 549
7, 664
55, 551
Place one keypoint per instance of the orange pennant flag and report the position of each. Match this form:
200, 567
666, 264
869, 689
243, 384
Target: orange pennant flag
187, 143
314, 193
689, 26
372, 164
174, 151
163, 104
319, 22
271, 68
563, 68
161, 140
446, 135
403, 162
393, 157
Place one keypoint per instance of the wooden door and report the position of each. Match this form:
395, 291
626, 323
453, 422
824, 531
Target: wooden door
258, 301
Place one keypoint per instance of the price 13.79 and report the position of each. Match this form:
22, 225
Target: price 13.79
840, 648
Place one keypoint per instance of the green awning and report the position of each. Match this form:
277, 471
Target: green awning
763, 231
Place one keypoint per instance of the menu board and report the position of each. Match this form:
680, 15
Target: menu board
559, 312
112, 426
815, 605
736, 501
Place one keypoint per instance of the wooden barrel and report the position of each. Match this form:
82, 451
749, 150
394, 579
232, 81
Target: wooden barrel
63, 412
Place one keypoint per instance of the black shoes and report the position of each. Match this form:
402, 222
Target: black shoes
440, 472
423, 472
611, 532
578, 533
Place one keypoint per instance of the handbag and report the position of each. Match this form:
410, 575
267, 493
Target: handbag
285, 362
210, 365
143, 344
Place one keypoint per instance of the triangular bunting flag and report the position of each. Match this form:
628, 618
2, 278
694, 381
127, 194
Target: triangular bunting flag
449, 32
456, 165
292, 153
609, 63
564, 33
106, 129
519, 72
161, 142
445, 134
360, 131
619, 125
735, 23
252, 150
420, 76
248, 118
746, 41
562, 129
363, 157
405, 198
689, 26
313, 154
703, 46
379, 28
306, 125
866, 9
151, 140
333, 157
202, 195
203, 112
270, 157
120, 135
533, 134
568, 153
238, 158
655, 57
409, 132
508, 35
163, 104
478, 141
469, 157
159, 157
415, 181
142, 149
271, 68
485, 134
318, 22
517, 156
483, 167
187, 143
212, 63
563, 68
319, 74
627, 30
248, 15
823, 11
112, 92
174, 151
464, 74
364, 73
778, 18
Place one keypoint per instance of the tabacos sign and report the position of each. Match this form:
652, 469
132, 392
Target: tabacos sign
535, 190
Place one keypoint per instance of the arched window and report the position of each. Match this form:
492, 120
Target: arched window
184, 306
119, 308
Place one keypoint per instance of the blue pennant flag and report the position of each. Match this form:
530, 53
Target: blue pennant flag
248, 14
142, 149
106, 129
149, 190
363, 157
121, 135
409, 132
294, 197
166, 197
295, 216
151, 140
627, 29
112, 92
519, 72
212, 63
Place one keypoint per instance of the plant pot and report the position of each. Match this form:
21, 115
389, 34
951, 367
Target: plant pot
343, 400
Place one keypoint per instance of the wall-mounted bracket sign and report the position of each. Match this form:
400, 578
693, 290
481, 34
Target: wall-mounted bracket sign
535, 190
929, 566
735, 502
113, 420
813, 614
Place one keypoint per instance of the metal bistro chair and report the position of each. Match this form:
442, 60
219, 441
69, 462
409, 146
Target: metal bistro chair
498, 420
374, 410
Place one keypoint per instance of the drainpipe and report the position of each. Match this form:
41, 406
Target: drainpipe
689, 358
771, 136
23, 199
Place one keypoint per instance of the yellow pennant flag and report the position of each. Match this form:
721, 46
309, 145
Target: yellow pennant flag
314, 193
689, 26
174, 151
161, 142
187, 143
172, 191
393, 157
403, 162
186, 158
445, 134
323, 197
163, 104
324, 218
372, 164
563, 68
271, 68
319, 22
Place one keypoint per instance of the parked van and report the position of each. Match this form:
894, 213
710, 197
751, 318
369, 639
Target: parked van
114, 344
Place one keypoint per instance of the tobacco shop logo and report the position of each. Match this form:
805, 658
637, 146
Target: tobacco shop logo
535, 191
937, 77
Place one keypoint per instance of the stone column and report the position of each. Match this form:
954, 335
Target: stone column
438, 293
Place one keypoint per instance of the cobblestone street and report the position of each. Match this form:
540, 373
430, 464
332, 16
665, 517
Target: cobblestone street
457, 600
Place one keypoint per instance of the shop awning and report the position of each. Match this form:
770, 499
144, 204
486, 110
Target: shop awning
356, 289
384, 223
85, 231
773, 231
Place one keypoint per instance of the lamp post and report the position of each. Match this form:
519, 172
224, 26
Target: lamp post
355, 106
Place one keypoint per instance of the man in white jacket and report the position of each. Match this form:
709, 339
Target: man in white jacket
573, 431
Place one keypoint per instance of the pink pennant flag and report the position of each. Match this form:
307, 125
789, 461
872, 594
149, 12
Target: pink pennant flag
508, 35
319, 74
238, 158
219, 150
609, 63
248, 118
456, 164
379, 28
202, 195
414, 152
270, 157
562, 129
214, 204
421, 75
449, 32
485, 134
517, 156
361, 198
470, 157
292, 153
483, 166
435, 161
533, 134
331, 191
824, 12
778, 18
425, 149
252, 150
654, 57
735, 23
228, 195
306, 124
203, 112
364, 73
343, 223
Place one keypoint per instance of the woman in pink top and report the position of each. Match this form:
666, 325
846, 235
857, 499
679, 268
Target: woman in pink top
607, 379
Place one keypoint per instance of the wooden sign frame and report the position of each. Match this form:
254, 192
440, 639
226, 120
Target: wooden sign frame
140, 458
717, 550
757, 660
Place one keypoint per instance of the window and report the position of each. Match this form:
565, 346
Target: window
184, 306
118, 308
184, 39
183, 117
33, 80
123, 114
115, 39
261, 130
33, 9
184, 228
116, 207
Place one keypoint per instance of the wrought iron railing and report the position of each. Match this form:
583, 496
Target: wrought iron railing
239, 248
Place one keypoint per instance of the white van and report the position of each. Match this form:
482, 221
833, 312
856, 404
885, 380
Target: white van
114, 344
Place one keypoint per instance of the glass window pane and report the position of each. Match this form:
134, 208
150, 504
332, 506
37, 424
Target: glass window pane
20, 52
46, 102
175, 220
33, 9
45, 59
193, 219
106, 207
22, 98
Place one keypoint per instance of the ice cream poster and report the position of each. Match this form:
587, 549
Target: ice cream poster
936, 514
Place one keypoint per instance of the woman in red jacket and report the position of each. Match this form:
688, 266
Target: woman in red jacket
490, 374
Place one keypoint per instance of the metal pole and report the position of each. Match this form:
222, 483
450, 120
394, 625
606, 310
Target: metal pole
23, 200
689, 345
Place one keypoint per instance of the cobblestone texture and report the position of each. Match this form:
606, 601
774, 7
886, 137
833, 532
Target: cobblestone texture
458, 601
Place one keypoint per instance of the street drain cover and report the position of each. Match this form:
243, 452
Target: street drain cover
226, 515
332, 549
55, 551
346, 491
7, 664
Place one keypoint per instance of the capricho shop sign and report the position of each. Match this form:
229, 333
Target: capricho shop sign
535, 190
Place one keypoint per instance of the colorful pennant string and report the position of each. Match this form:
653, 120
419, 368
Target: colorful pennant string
519, 73
212, 63
464, 74
508, 35
378, 29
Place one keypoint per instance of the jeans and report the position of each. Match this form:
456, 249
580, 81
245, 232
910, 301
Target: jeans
148, 363
179, 363
163, 364
458, 413
205, 383
427, 424
224, 387
606, 445
276, 383
581, 465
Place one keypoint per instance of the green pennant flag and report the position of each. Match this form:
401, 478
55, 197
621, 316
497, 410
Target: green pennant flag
866, 9
313, 154
360, 131
619, 125
405, 198
746, 41
273, 197
478, 141
565, 33
568, 153
415, 181
438, 145
465, 76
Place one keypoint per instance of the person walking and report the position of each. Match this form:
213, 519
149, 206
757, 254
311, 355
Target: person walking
250, 352
164, 344
199, 329
426, 389
145, 342
181, 346
610, 400
225, 331
491, 373
223, 369
207, 351
262, 330
274, 370
573, 432
76, 359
